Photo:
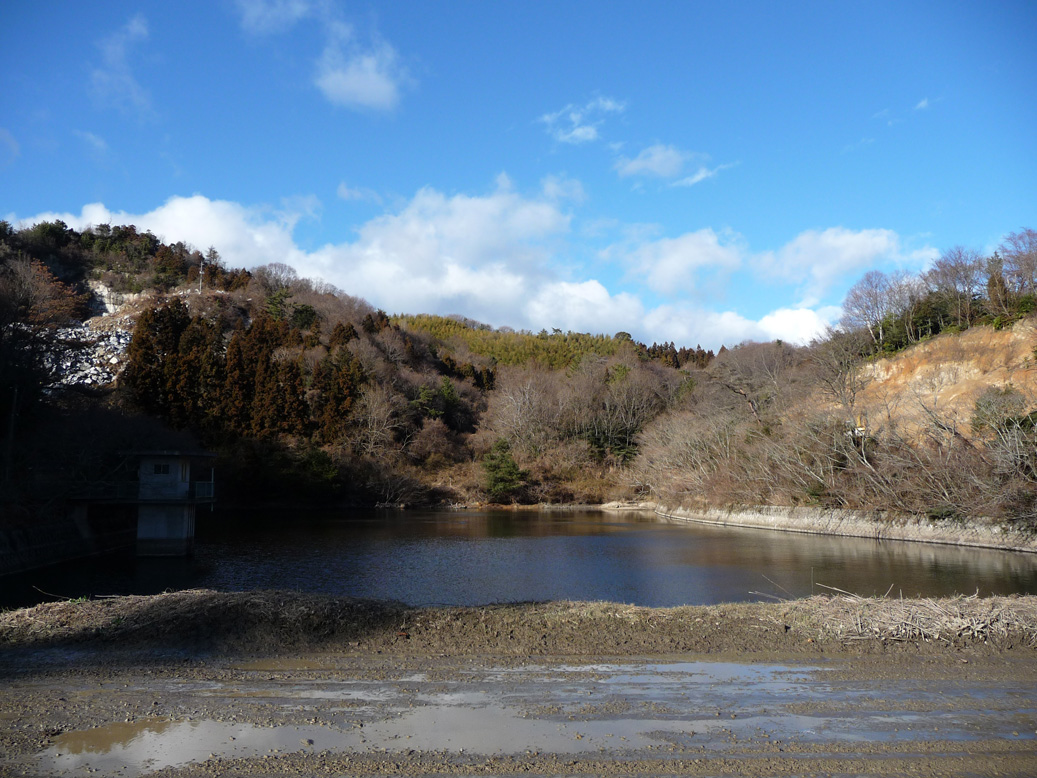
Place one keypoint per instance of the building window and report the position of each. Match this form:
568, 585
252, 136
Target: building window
185, 471
162, 469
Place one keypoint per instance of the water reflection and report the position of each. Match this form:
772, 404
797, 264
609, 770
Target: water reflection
424, 558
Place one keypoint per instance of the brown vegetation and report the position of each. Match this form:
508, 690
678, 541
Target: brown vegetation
274, 621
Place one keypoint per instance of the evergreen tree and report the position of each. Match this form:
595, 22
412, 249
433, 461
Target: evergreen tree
238, 387
503, 476
156, 338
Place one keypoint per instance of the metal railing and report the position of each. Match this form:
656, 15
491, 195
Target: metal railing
130, 491
204, 490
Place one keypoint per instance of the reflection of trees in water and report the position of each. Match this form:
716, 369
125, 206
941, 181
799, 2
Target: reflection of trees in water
103, 740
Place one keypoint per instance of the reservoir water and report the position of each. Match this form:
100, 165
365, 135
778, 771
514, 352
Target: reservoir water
473, 558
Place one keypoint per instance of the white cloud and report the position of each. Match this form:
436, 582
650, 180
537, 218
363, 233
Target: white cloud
348, 73
922, 259
478, 255
673, 266
793, 325
497, 257
702, 174
922, 104
245, 237
579, 124
261, 17
354, 77
658, 160
818, 258
114, 83
586, 306
690, 326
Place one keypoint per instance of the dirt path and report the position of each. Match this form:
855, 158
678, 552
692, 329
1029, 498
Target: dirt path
200, 684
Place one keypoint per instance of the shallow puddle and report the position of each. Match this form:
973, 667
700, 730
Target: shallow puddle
565, 709
139, 747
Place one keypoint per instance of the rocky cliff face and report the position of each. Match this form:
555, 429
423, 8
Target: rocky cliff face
90, 357
93, 353
945, 375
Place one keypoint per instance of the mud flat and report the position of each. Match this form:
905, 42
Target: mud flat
201, 683
979, 533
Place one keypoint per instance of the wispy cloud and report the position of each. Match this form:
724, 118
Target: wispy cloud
817, 259
95, 143
891, 118
557, 188
10, 147
863, 142
702, 174
675, 266
114, 82
261, 17
580, 123
659, 160
346, 192
349, 72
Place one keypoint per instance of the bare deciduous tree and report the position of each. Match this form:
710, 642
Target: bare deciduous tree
958, 277
276, 276
1019, 251
524, 409
757, 372
867, 304
838, 371
377, 418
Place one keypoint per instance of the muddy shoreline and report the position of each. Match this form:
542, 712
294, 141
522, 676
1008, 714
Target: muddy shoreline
202, 683
284, 621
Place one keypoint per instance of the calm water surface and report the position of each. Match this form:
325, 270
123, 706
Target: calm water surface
460, 558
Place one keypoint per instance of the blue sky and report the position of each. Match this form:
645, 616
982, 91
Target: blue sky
698, 172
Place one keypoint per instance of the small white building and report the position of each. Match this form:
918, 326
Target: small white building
171, 484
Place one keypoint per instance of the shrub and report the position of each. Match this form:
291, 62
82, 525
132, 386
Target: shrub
503, 476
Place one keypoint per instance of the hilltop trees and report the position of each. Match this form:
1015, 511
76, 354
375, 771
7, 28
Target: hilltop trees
956, 279
962, 288
1019, 252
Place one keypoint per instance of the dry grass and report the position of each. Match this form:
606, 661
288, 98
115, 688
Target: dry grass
276, 621
951, 619
261, 620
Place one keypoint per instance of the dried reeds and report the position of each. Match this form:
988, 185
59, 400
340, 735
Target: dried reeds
848, 616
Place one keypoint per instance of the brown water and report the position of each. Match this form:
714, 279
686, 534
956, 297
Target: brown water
468, 558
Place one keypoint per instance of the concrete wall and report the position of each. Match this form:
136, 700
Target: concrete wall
978, 532
165, 530
88, 531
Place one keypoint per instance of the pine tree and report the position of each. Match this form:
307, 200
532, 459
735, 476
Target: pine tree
503, 476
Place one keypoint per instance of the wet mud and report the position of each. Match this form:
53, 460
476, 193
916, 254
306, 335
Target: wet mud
348, 714
394, 706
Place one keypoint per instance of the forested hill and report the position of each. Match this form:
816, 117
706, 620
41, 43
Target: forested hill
554, 350
308, 393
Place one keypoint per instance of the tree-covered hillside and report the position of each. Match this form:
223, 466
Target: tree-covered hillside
308, 393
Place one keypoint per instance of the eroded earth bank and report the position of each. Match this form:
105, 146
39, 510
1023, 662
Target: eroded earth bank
199, 683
